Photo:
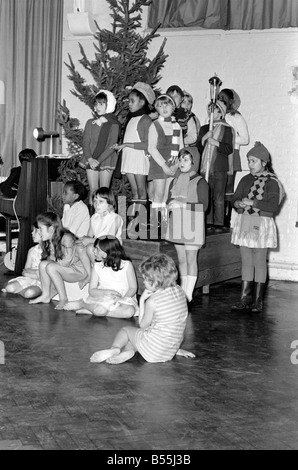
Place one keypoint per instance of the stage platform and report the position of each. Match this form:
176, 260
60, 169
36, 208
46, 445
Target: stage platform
218, 259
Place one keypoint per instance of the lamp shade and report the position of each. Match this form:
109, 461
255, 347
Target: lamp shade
81, 23
41, 135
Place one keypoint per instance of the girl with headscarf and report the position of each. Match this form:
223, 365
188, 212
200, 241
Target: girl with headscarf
100, 134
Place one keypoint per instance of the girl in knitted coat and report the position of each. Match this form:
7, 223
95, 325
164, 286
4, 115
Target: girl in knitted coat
257, 199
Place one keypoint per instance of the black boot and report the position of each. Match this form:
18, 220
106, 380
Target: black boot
246, 297
257, 305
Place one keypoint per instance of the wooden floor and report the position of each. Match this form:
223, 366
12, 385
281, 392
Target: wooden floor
240, 392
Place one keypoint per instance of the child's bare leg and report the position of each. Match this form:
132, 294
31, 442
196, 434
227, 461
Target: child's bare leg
79, 306
13, 287
121, 340
74, 305
99, 310
90, 253
58, 274
31, 292
123, 311
82, 253
127, 353
45, 280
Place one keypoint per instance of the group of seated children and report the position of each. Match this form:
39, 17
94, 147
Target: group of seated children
98, 258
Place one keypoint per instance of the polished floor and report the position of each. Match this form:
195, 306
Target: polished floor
240, 392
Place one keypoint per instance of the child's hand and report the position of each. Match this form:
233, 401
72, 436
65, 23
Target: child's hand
206, 136
118, 147
84, 241
247, 202
184, 353
169, 171
213, 142
93, 163
145, 295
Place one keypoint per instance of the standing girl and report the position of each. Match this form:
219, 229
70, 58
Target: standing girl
162, 318
60, 260
28, 285
235, 119
257, 198
193, 129
220, 143
113, 284
165, 141
99, 156
187, 203
135, 161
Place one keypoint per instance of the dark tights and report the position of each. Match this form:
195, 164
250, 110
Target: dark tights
254, 264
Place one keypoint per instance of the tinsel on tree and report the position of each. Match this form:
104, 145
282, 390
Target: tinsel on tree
120, 61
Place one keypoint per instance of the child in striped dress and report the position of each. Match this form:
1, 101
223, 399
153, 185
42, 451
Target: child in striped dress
162, 318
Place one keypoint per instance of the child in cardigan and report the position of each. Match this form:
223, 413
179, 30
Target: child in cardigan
113, 284
28, 285
216, 147
257, 198
187, 203
60, 260
165, 141
99, 156
76, 216
162, 318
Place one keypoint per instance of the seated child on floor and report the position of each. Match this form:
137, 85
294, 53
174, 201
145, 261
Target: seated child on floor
28, 285
60, 261
113, 284
76, 216
162, 318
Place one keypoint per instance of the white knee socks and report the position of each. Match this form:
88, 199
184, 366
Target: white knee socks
183, 283
190, 285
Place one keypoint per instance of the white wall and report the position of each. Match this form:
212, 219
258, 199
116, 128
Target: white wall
257, 65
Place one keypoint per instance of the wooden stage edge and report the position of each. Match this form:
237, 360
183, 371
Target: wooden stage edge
218, 259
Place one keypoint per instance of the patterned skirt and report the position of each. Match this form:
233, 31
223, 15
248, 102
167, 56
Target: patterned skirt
254, 232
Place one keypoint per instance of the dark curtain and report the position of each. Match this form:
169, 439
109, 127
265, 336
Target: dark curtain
224, 14
31, 35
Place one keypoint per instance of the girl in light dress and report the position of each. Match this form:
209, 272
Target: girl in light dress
104, 221
60, 260
135, 161
28, 285
113, 284
162, 318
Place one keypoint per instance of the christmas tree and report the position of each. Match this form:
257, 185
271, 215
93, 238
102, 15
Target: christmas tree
120, 61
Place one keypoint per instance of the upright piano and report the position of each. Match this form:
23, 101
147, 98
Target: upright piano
31, 200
